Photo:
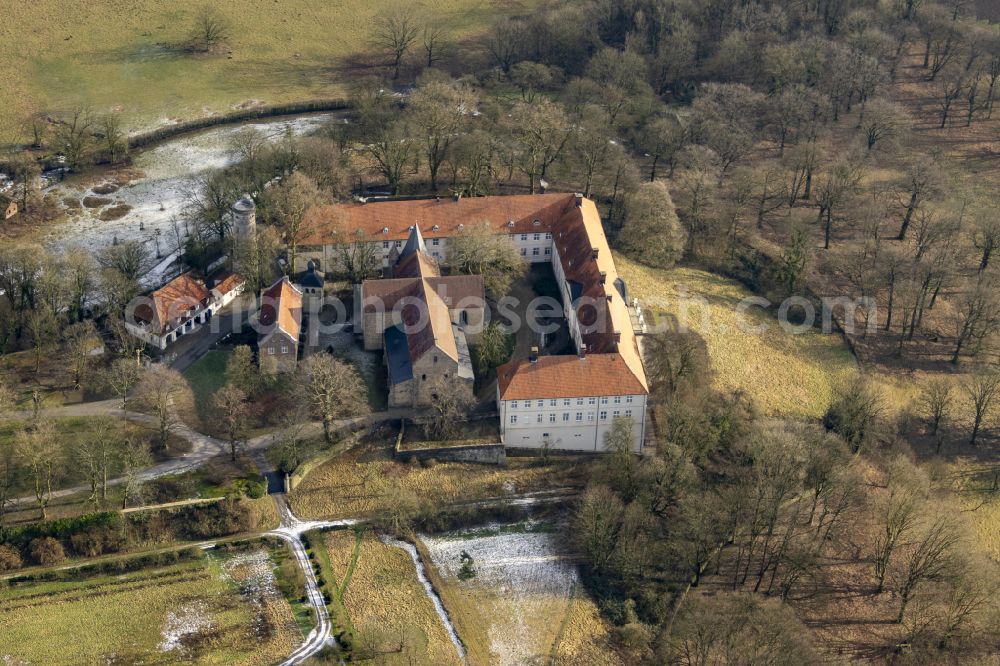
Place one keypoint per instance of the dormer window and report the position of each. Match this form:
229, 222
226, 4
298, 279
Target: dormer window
411, 227
461, 226
510, 223
385, 230
537, 223
435, 228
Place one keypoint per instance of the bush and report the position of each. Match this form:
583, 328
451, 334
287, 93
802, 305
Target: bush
46, 550
10, 559
87, 544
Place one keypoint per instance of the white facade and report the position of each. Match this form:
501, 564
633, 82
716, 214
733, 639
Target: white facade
570, 424
534, 246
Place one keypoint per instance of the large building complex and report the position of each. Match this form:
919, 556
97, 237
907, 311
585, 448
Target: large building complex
560, 402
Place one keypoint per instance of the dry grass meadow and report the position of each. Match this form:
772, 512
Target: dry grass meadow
206, 611
125, 56
359, 482
786, 374
386, 601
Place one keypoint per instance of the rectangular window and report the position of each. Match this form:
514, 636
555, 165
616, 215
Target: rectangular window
590, 416
615, 414
284, 349
527, 404
552, 403
618, 400
628, 398
604, 416
385, 245
579, 416
591, 401
565, 402
513, 404
399, 243
538, 237
270, 350
513, 418
524, 252
628, 413
565, 416
579, 401
524, 236
534, 251
539, 419
548, 236
435, 241
552, 418
548, 251
604, 400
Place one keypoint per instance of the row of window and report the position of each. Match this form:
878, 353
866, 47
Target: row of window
284, 350
528, 404
534, 251
437, 241
539, 418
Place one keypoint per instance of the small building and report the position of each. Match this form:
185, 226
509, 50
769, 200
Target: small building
279, 326
227, 287
9, 208
179, 307
312, 284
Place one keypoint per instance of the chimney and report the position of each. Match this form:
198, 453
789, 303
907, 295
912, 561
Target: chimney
593, 253
579, 199
583, 351
534, 355
604, 277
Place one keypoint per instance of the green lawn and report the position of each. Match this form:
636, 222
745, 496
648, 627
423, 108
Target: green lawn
206, 376
123, 56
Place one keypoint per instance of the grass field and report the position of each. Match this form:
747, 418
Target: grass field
786, 374
124, 55
218, 610
358, 482
524, 602
386, 601
206, 376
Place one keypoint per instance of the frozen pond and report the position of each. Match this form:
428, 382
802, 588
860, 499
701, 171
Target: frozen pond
165, 174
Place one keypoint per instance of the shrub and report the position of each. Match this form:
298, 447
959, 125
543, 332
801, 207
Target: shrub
46, 550
87, 544
10, 559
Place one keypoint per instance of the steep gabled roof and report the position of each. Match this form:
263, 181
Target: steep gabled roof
281, 308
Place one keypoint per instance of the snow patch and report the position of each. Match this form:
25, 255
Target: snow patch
188, 620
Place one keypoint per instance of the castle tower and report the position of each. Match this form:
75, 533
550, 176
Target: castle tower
244, 217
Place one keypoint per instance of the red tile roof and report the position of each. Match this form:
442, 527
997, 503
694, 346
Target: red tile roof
567, 377
281, 305
391, 220
173, 303
576, 231
229, 282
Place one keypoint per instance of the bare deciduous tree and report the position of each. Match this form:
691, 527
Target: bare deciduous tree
983, 389
334, 389
395, 32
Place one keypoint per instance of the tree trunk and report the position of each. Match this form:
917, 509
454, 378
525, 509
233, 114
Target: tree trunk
908, 216
652, 170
